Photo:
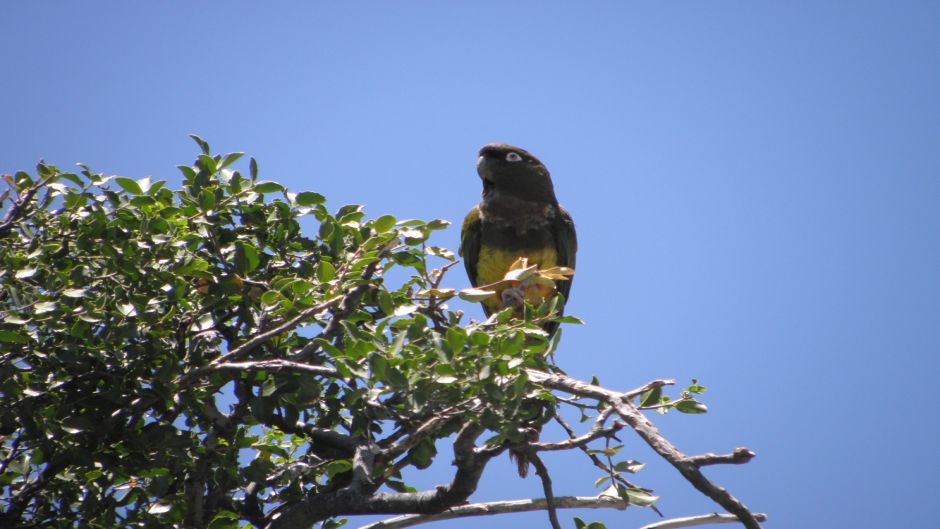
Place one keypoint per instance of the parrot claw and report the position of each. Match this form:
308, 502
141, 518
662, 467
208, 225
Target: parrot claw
513, 297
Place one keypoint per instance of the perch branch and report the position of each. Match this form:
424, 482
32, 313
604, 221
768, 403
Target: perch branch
499, 507
704, 519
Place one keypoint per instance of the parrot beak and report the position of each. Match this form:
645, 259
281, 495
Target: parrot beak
484, 168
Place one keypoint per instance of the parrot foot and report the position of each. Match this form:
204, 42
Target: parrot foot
513, 297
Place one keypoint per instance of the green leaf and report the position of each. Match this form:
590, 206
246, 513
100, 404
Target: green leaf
310, 199
691, 406
384, 223
267, 186
207, 163
438, 224
475, 294
404, 310
224, 520
206, 199
229, 159
74, 292
338, 466
129, 185
630, 466
201, 143
159, 508
336, 524
44, 307
270, 298
637, 497
25, 273
325, 272
246, 257
9, 336
651, 397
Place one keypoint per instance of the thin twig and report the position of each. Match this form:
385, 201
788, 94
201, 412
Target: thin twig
590, 455
703, 519
648, 386
739, 456
500, 507
276, 364
21, 207
542, 472
597, 431
258, 339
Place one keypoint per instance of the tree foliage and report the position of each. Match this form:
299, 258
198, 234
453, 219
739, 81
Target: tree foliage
191, 357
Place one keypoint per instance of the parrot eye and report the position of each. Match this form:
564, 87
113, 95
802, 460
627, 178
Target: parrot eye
513, 157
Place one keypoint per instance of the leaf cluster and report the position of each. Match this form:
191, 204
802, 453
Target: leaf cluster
190, 357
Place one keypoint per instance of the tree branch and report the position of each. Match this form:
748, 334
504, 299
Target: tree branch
255, 341
704, 519
645, 429
257, 365
500, 507
648, 386
739, 456
21, 207
542, 472
350, 501
597, 431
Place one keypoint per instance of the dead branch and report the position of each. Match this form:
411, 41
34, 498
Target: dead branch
500, 507
648, 432
704, 519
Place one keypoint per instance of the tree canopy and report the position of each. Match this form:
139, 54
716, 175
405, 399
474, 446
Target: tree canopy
192, 358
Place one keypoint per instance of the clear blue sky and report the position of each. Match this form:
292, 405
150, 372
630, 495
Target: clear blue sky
756, 188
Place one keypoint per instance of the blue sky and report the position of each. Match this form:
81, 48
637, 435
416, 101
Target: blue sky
756, 188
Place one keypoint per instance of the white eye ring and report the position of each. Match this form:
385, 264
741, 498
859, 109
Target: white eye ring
513, 157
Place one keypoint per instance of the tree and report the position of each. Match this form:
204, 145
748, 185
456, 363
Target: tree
191, 358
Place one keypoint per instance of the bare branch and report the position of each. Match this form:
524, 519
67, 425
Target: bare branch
597, 431
739, 456
542, 472
21, 207
590, 455
648, 386
427, 428
258, 365
500, 507
350, 501
648, 432
289, 325
704, 519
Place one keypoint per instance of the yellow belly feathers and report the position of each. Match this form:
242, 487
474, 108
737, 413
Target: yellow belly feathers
493, 264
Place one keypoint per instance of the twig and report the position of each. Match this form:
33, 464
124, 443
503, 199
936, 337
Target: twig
738, 456
258, 339
645, 429
316, 507
648, 386
276, 364
20, 208
704, 519
594, 459
596, 432
500, 507
542, 472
